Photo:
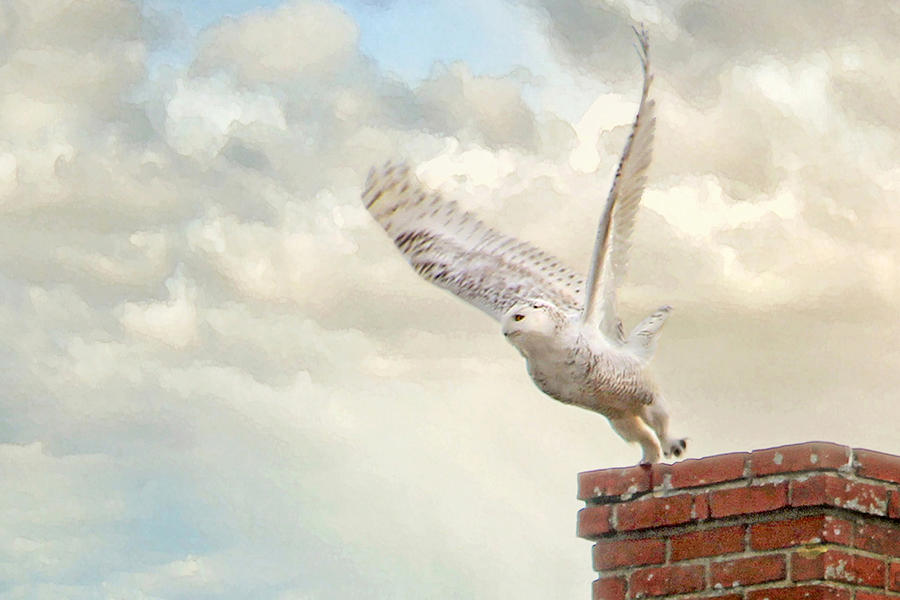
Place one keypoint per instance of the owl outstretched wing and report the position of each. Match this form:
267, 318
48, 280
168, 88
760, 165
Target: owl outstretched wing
454, 250
617, 222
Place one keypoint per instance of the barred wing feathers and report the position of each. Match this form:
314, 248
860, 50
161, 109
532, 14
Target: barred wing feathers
454, 250
614, 231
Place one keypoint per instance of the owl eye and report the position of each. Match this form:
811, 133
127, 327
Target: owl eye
518, 317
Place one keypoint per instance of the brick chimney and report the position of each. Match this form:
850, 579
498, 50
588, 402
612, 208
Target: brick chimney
803, 522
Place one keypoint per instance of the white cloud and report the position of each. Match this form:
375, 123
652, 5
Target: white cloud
200, 114
607, 111
173, 321
301, 38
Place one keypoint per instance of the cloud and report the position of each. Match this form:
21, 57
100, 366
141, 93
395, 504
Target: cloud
587, 35
463, 104
184, 289
219, 379
173, 322
299, 39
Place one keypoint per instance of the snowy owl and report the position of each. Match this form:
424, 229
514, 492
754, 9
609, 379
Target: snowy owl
566, 329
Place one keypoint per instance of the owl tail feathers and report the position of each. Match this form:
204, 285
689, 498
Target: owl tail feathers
642, 339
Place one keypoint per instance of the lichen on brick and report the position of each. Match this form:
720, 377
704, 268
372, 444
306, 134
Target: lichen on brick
863, 502
839, 571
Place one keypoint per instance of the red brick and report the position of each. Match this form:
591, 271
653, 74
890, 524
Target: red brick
744, 500
808, 564
877, 465
795, 532
868, 571
610, 554
653, 512
609, 588
811, 491
878, 538
593, 521
747, 571
812, 456
832, 490
710, 542
861, 595
660, 476
705, 471
894, 505
894, 577
800, 592
701, 507
615, 482
835, 565
663, 581
719, 597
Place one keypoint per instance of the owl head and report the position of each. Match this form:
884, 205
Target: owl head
531, 321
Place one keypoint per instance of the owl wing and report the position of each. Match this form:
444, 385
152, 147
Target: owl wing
454, 250
617, 222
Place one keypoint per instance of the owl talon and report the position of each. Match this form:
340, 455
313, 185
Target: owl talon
676, 448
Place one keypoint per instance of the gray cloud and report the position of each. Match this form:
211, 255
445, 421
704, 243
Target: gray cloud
478, 109
588, 35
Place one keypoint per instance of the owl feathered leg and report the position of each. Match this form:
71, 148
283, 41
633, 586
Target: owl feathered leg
635, 429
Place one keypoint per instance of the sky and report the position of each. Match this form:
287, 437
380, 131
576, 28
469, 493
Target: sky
218, 377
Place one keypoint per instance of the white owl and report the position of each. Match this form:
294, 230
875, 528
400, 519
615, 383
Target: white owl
567, 329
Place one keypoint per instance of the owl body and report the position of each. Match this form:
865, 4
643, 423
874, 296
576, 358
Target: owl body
565, 324
575, 364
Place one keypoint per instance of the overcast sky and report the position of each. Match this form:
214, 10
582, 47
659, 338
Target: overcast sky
219, 379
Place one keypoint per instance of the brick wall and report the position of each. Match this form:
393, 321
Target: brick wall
808, 521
